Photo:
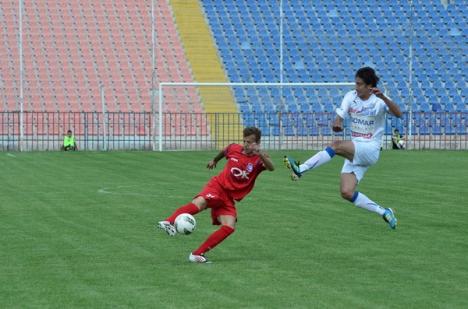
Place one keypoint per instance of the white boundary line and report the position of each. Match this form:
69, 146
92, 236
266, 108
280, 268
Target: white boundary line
115, 191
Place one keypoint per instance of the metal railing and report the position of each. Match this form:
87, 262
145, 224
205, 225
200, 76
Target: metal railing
44, 131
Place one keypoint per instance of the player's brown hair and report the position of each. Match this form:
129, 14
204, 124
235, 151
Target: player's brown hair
253, 131
367, 74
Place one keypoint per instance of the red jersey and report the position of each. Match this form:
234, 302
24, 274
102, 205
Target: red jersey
239, 173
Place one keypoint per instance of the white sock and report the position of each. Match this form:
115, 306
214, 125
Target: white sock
362, 201
318, 159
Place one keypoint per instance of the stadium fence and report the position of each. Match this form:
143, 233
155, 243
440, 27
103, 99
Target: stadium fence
97, 131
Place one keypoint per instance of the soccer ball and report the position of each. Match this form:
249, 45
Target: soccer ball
185, 224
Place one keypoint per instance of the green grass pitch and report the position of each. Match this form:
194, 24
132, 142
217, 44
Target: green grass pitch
77, 231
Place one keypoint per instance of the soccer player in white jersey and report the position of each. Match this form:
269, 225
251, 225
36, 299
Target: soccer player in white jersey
365, 107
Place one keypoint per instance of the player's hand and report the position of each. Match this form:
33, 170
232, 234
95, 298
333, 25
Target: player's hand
255, 148
337, 125
211, 165
337, 128
377, 92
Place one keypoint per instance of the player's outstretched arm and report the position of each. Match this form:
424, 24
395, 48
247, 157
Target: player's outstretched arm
212, 164
392, 106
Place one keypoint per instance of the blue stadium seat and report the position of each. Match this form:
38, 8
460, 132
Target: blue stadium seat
321, 47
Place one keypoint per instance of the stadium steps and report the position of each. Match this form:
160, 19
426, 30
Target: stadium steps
206, 64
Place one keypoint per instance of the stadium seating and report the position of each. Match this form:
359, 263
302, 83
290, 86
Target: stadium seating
73, 48
321, 44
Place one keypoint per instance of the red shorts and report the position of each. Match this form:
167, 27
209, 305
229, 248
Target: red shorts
218, 201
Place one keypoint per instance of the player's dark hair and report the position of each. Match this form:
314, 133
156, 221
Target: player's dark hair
367, 74
253, 131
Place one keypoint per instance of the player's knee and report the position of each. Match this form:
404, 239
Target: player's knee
200, 202
335, 145
229, 221
347, 194
232, 227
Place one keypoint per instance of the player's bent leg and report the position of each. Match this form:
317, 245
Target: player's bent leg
228, 220
197, 205
362, 201
214, 239
348, 186
167, 225
344, 149
313, 162
200, 202
227, 228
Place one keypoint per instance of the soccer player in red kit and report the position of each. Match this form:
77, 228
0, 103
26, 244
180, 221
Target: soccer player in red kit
244, 163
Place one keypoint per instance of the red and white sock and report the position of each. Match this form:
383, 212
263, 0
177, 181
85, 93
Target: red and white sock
190, 208
214, 239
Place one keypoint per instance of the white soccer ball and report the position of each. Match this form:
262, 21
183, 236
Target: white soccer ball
185, 224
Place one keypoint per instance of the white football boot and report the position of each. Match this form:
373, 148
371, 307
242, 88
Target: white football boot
197, 258
167, 227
